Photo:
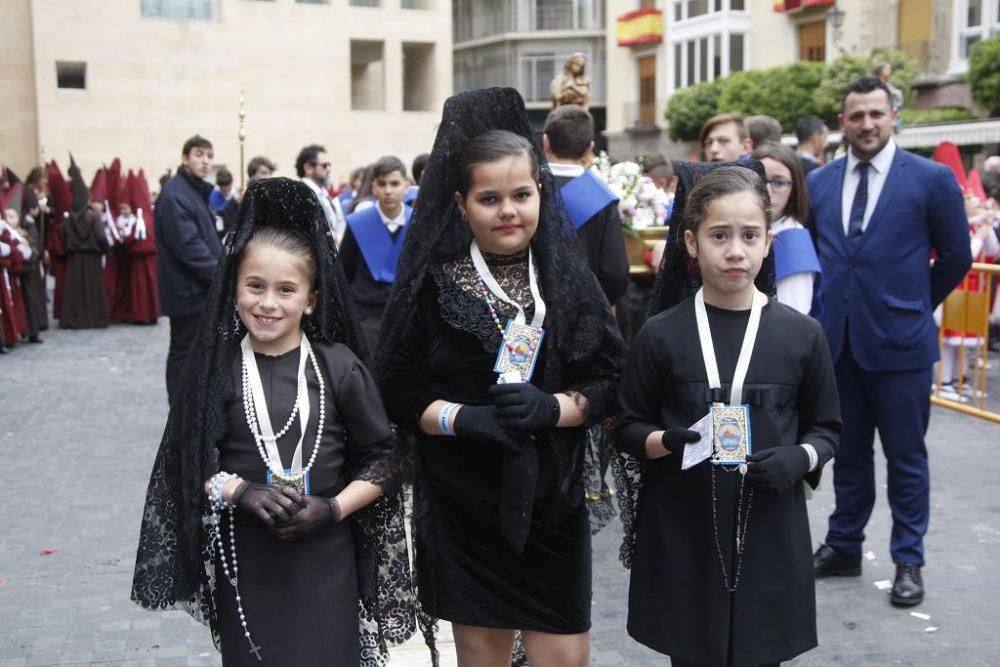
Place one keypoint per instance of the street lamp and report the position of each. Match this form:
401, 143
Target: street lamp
835, 15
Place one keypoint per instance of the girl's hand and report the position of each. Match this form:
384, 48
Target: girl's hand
266, 502
315, 513
524, 407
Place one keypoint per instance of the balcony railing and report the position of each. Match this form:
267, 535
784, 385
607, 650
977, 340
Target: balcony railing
475, 19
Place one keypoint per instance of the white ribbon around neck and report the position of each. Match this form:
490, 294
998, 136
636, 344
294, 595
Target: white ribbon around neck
266, 432
746, 350
484, 273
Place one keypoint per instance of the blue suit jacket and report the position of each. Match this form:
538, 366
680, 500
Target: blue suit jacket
882, 284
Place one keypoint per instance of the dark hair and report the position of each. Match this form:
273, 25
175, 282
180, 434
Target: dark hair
223, 177
283, 239
306, 156
657, 166
806, 127
386, 165
418, 166
257, 162
365, 190
491, 146
722, 119
763, 129
356, 173
570, 129
866, 84
797, 205
727, 180
34, 177
197, 141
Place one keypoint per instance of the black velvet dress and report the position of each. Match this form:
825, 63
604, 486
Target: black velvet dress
466, 572
300, 597
678, 603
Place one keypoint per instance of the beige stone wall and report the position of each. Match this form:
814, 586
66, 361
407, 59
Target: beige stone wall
19, 147
153, 82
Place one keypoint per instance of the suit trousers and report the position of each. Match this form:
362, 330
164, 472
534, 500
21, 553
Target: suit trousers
183, 332
897, 403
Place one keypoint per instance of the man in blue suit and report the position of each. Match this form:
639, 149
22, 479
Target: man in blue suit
880, 214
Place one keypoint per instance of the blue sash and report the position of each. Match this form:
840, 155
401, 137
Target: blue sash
381, 253
410, 195
585, 196
794, 252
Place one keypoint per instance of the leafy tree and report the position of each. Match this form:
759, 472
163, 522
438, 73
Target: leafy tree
784, 93
984, 74
689, 108
848, 67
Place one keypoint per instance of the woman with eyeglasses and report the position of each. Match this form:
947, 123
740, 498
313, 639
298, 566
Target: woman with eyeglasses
796, 265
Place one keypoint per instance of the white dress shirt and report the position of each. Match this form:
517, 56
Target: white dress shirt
331, 208
393, 224
565, 170
877, 174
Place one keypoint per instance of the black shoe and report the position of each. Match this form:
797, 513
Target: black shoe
35, 339
828, 562
908, 589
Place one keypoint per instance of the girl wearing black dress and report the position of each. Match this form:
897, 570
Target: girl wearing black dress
502, 535
721, 558
272, 510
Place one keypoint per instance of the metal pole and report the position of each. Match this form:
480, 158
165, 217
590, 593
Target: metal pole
243, 138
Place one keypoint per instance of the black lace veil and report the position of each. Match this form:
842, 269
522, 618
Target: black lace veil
174, 564
677, 279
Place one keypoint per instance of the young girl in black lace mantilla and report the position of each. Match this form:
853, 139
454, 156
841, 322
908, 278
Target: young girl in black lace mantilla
265, 514
502, 535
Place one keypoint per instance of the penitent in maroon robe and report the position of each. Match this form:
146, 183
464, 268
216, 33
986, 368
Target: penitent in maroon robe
12, 318
142, 246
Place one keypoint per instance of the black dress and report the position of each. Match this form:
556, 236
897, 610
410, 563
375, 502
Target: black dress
300, 597
466, 572
678, 603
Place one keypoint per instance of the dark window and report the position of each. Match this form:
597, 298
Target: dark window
735, 52
71, 75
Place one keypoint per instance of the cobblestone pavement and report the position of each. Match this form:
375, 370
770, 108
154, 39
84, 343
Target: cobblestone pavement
82, 416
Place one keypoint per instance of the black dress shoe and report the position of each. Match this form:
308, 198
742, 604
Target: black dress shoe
828, 562
908, 589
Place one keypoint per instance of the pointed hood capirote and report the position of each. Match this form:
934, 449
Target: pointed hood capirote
78, 188
174, 566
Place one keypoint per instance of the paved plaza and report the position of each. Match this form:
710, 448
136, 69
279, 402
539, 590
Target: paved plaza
80, 420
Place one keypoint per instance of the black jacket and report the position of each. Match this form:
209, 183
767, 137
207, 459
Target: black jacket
188, 244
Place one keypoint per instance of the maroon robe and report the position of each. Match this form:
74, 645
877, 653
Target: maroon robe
142, 275
15, 321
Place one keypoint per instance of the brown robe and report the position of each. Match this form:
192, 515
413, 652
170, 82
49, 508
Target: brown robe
84, 304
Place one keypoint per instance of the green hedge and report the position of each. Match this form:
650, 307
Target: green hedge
787, 93
936, 115
984, 74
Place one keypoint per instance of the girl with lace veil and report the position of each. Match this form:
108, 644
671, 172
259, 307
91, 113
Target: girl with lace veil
727, 403
273, 513
501, 529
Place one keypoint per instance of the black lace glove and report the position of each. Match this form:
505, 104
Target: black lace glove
777, 468
479, 422
676, 439
316, 513
522, 406
267, 503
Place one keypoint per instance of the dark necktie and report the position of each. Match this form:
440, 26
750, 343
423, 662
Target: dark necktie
859, 204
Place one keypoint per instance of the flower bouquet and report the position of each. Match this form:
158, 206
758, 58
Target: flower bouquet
641, 204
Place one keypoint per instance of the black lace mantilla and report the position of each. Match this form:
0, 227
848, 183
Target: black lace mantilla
463, 297
175, 561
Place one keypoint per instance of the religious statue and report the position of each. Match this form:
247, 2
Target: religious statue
572, 86
883, 70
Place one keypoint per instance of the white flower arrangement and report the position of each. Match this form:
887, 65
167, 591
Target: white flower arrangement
641, 204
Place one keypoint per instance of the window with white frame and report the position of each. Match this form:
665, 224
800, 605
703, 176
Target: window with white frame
975, 20
708, 57
682, 10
